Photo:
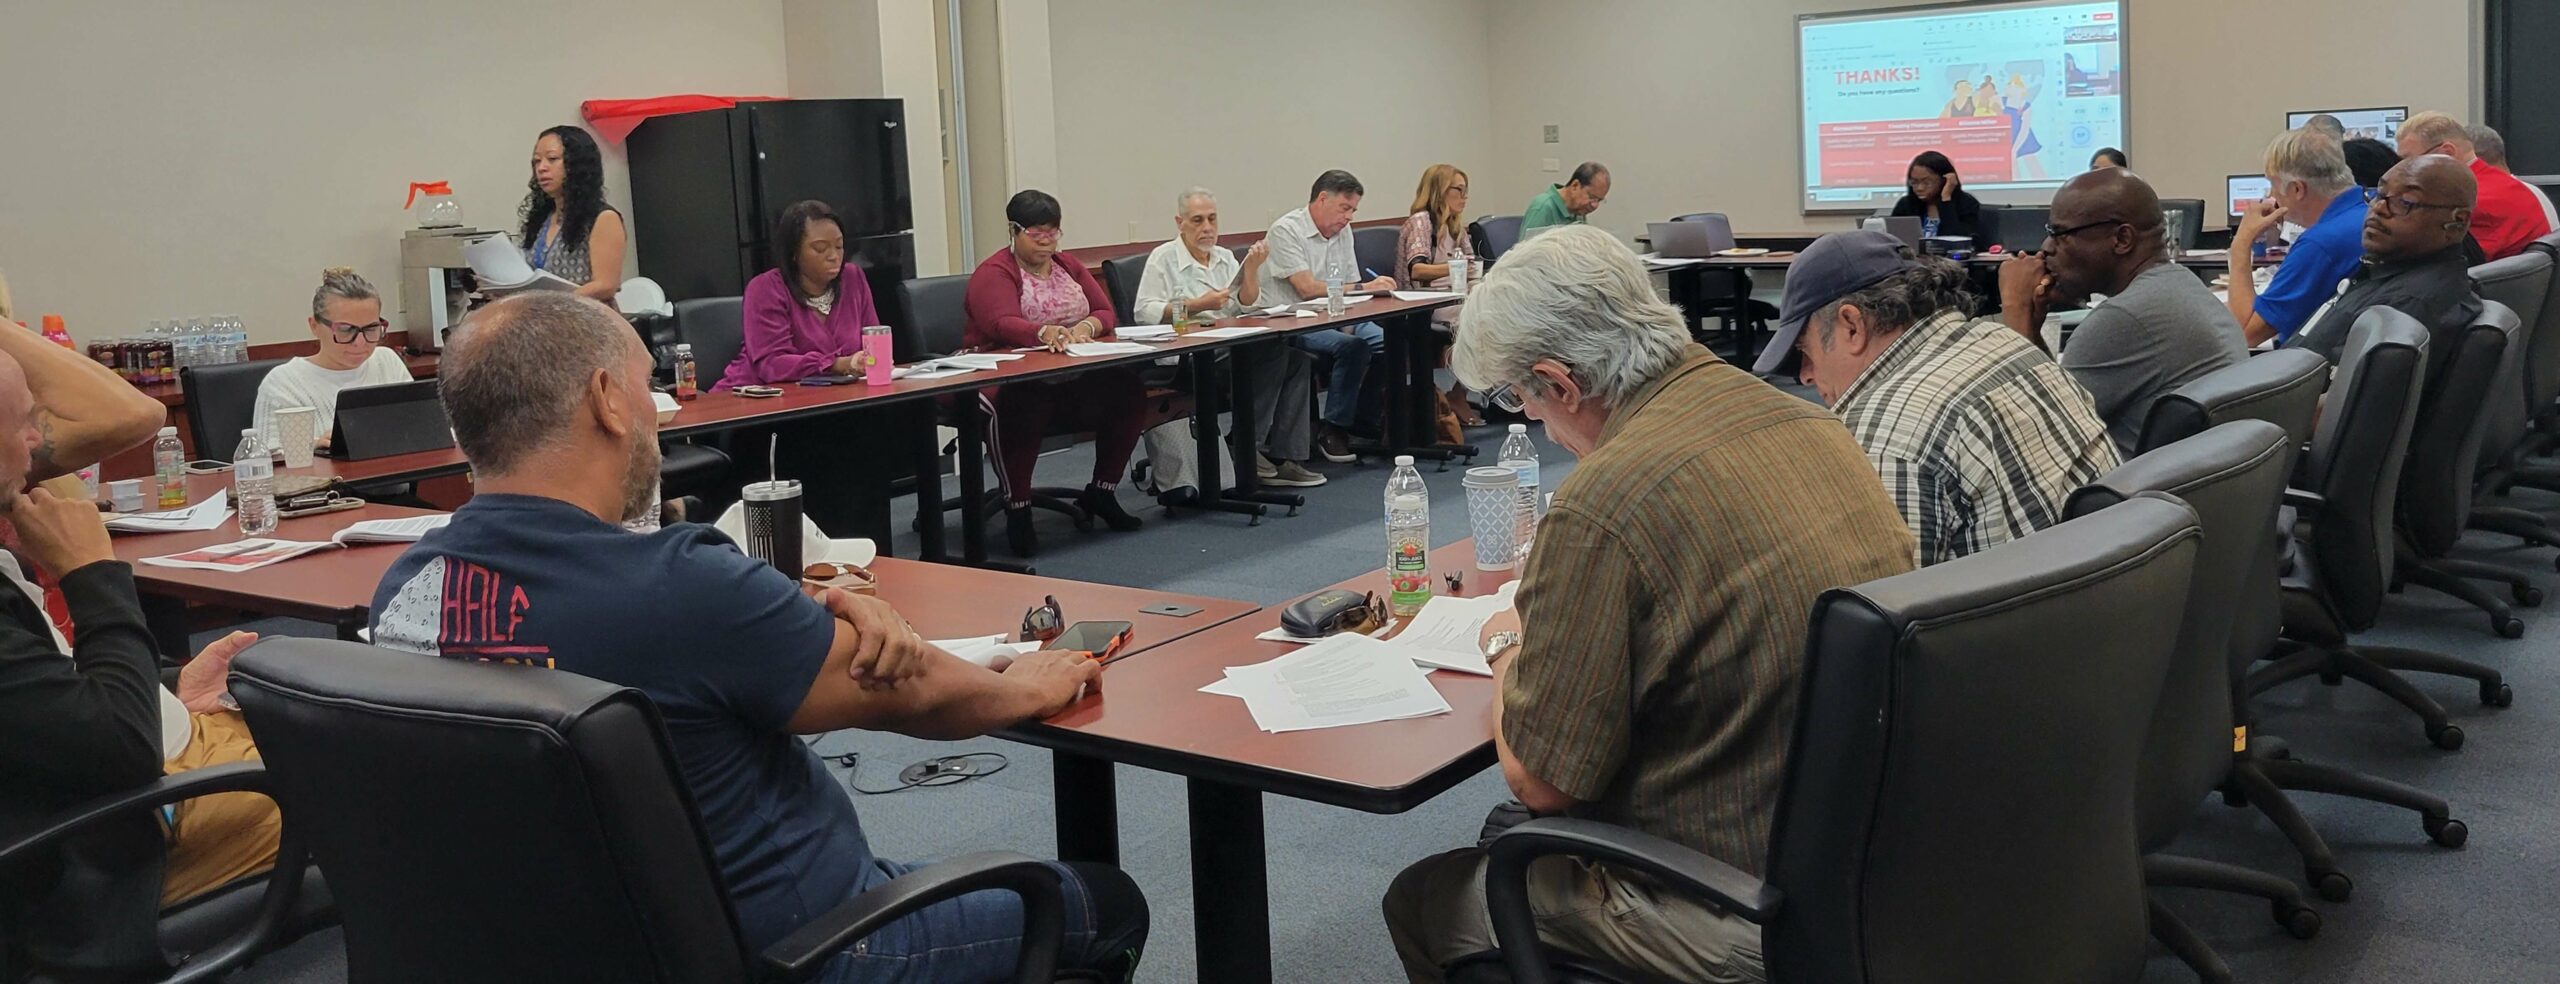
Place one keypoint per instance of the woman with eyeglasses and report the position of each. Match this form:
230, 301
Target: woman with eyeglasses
1030, 295
1433, 241
568, 229
346, 319
1933, 193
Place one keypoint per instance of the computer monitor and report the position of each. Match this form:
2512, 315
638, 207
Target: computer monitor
2379, 122
2240, 191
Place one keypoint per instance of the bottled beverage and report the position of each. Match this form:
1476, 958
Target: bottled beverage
687, 387
253, 485
239, 340
55, 333
1458, 271
1408, 539
1521, 456
169, 468
1333, 303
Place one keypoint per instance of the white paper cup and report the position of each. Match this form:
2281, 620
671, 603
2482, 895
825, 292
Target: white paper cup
295, 434
125, 495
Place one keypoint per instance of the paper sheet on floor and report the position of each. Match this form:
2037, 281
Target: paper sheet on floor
202, 516
1342, 681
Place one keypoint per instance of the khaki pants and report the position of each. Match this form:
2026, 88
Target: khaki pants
218, 839
1436, 914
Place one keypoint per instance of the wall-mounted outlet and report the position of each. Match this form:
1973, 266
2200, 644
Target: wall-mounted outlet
1550, 165
1133, 232
1551, 136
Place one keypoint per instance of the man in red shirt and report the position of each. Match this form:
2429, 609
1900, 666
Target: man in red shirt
2509, 217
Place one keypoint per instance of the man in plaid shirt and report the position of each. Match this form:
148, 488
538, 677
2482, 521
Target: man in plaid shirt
1979, 436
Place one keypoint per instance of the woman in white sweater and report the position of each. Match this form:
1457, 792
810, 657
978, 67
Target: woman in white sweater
346, 319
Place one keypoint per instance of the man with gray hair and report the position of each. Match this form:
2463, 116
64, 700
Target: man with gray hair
1978, 435
2491, 148
1192, 277
2508, 218
549, 398
2307, 180
1650, 676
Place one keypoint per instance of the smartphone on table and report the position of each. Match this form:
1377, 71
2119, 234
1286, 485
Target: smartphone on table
1104, 640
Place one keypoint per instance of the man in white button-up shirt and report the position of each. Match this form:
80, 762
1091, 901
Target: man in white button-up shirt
1194, 276
1309, 246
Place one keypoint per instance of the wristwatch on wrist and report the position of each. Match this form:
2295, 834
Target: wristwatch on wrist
1500, 641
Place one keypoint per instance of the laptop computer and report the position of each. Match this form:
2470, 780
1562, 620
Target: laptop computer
2242, 191
389, 419
1902, 227
1685, 240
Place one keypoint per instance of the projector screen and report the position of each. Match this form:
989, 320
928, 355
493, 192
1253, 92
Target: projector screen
2017, 94
2381, 123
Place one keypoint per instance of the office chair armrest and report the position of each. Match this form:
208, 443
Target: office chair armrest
2308, 503
1506, 880
235, 777
266, 930
807, 949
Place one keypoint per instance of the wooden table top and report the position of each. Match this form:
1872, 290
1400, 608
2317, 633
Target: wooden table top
1153, 715
946, 601
334, 586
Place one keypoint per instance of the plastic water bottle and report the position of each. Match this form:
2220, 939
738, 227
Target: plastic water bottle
253, 485
235, 339
1333, 302
687, 386
1458, 271
1521, 456
193, 351
169, 468
1408, 539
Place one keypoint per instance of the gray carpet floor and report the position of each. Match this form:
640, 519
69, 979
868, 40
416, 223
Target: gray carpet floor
2420, 913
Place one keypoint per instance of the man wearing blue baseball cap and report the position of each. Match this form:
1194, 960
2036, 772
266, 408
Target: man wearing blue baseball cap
1978, 435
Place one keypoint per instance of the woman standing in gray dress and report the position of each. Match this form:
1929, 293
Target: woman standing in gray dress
569, 230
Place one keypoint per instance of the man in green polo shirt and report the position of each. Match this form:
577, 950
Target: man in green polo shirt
1567, 203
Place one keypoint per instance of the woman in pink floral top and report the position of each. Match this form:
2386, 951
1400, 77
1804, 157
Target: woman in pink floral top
1031, 295
1434, 239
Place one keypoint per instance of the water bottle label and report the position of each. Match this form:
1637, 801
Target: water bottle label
1408, 577
1527, 470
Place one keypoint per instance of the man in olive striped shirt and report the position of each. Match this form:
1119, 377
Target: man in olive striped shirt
1660, 639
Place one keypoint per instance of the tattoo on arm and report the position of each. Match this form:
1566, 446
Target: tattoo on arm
40, 462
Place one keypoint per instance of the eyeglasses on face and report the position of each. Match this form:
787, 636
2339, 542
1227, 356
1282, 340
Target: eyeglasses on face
1037, 234
2058, 233
346, 333
2397, 205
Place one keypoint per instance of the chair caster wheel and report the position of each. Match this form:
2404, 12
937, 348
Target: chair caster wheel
2499, 695
2509, 627
2448, 737
2334, 886
2448, 832
2299, 921
2528, 595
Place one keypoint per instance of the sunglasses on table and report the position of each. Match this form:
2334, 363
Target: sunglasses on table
1045, 622
345, 332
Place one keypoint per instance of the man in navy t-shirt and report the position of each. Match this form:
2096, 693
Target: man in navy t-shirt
549, 399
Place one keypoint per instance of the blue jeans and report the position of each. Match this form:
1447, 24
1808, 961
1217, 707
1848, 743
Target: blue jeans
1351, 349
977, 937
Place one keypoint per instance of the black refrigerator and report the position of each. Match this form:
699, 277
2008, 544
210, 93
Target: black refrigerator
706, 186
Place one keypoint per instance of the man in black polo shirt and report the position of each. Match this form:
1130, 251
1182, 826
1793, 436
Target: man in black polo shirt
2413, 260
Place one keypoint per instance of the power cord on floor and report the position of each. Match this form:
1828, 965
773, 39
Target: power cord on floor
948, 770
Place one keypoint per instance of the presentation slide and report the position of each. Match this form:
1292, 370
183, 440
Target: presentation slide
2018, 95
2380, 124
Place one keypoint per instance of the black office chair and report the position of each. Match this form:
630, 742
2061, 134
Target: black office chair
1493, 236
2282, 387
222, 401
2016, 228
2190, 213
2233, 476
2517, 434
1374, 248
2351, 480
1726, 298
2443, 463
938, 323
1120, 276
1895, 854
199, 939
715, 327
440, 788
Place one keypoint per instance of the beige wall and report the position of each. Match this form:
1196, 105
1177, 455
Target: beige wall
873, 49
1154, 96
1692, 104
171, 158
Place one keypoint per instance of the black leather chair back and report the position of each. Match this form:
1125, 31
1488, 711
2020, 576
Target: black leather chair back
1500, 233
489, 823
937, 317
1903, 851
2444, 445
222, 401
2234, 477
2542, 357
2282, 387
1375, 248
2354, 461
2523, 283
716, 328
1120, 279
2190, 213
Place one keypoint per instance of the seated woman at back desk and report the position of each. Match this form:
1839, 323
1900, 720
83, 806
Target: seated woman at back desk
804, 317
569, 231
1936, 196
1028, 294
346, 319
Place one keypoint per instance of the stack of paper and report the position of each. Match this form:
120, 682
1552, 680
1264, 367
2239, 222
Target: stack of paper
988, 361
1424, 295
502, 270
391, 530
238, 556
202, 516
1344, 680
1232, 331
929, 370
1086, 350
1448, 632
1145, 333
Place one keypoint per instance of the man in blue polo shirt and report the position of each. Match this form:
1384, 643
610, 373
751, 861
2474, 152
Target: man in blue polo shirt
2307, 178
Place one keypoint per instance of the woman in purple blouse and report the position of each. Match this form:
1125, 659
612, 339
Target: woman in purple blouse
804, 317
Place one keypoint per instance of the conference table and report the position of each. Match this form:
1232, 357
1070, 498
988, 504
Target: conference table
1408, 422
1154, 716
